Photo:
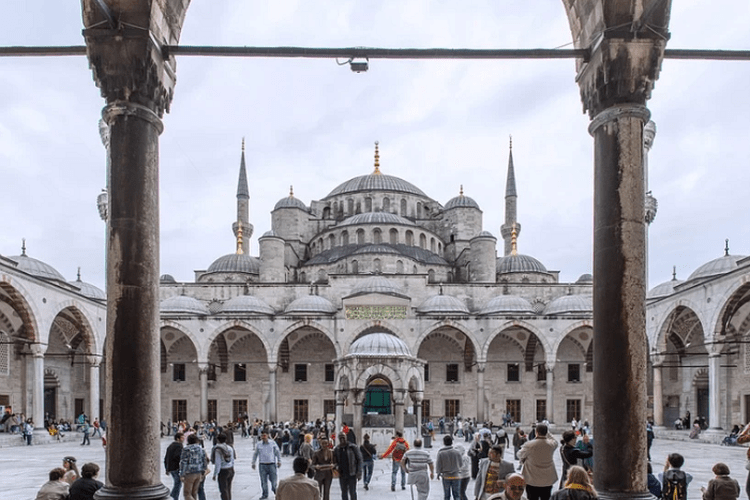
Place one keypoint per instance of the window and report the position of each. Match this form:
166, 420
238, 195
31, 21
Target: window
377, 267
400, 267
572, 409
514, 373
331, 241
300, 410
422, 241
212, 410
4, 353
393, 236
330, 373
452, 408
329, 407
513, 406
403, 207
409, 238
426, 372
355, 267
368, 204
425, 408
386, 204
360, 236
451, 372
179, 410
350, 206
239, 409
377, 236
345, 238
240, 372
574, 372
178, 372
431, 275
212, 372
300, 372
541, 410
541, 372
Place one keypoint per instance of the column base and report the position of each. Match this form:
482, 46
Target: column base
714, 431
155, 492
621, 495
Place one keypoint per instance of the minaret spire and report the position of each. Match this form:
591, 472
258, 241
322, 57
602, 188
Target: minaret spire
511, 198
377, 160
243, 210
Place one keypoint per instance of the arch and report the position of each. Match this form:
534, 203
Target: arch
662, 320
585, 323
274, 350
393, 236
355, 267
376, 325
331, 241
23, 303
360, 236
386, 204
516, 323
242, 325
399, 267
85, 321
409, 235
432, 244
350, 206
344, 238
422, 241
377, 236
417, 375
368, 204
199, 347
732, 300
376, 264
383, 371
447, 323
404, 211
677, 319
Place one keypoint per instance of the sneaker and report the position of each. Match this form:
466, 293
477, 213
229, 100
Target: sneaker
366, 488
393, 487
403, 487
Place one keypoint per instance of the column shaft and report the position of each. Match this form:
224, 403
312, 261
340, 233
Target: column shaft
619, 300
203, 378
480, 394
272, 395
94, 391
357, 423
658, 397
37, 391
714, 391
550, 395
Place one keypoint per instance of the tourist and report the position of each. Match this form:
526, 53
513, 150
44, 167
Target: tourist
674, 480
570, 453
416, 463
55, 488
322, 462
306, 451
71, 470
172, 464
447, 465
514, 488
396, 451
193, 465
28, 431
577, 487
270, 459
539, 470
742, 438
85, 487
348, 462
721, 487
654, 486
298, 486
464, 472
519, 438
223, 456
492, 472
369, 452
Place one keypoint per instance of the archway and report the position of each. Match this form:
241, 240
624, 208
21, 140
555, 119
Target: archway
378, 397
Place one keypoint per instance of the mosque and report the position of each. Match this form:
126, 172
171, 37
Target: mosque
381, 306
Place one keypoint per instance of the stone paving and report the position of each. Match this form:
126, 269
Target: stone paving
25, 468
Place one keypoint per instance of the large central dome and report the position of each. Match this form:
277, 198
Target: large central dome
375, 182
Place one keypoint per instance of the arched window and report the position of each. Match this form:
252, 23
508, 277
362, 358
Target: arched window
376, 265
350, 206
377, 236
386, 204
432, 245
331, 241
345, 238
393, 236
400, 267
409, 238
403, 207
431, 275
440, 248
419, 210
355, 267
302, 277
4, 354
322, 277
414, 270
368, 204
359, 207
422, 241
360, 236
327, 213
320, 245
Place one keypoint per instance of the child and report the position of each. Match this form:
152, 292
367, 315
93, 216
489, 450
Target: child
722, 487
674, 480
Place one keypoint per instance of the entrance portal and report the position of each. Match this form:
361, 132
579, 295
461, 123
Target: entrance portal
377, 397
50, 402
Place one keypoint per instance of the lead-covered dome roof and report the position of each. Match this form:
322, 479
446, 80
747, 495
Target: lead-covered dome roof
88, 290
379, 344
375, 218
36, 267
507, 304
182, 304
247, 304
235, 263
461, 201
378, 284
519, 263
722, 265
570, 304
337, 253
375, 182
290, 202
311, 304
663, 289
443, 304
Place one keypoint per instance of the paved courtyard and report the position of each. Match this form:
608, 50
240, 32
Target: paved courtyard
25, 468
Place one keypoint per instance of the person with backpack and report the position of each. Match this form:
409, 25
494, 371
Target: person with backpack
396, 451
223, 456
674, 480
368, 459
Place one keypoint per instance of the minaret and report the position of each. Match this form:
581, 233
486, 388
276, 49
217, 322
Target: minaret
243, 210
511, 197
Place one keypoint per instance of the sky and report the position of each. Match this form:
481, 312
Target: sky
312, 124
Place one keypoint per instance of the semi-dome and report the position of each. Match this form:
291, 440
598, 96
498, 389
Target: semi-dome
89, 290
235, 263
167, 279
507, 304
379, 344
375, 182
375, 218
442, 304
519, 263
247, 304
722, 265
570, 304
182, 304
585, 278
461, 201
37, 268
378, 284
311, 304
663, 289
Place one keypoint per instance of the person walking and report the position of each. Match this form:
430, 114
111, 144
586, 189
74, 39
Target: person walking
570, 453
270, 459
447, 465
519, 438
306, 451
322, 462
492, 472
172, 464
298, 486
539, 470
418, 465
223, 456
396, 451
86, 428
193, 465
348, 462
369, 452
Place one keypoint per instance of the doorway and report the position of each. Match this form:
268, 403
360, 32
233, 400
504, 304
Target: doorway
377, 397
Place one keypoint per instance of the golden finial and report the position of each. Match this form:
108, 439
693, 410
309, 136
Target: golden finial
514, 241
377, 159
239, 238
511, 142
291, 191
243, 144
461, 191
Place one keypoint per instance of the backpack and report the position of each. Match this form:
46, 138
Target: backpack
399, 450
675, 485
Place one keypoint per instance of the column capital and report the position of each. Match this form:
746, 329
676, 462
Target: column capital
94, 360
627, 110
38, 350
202, 367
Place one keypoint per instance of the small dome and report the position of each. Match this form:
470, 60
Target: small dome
570, 304
377, 284
247, 304
311, 304
442, 304
375, 218
507, 304
269, 234
290, 202
663, 289
167, 279
183, 304
519, 263
722, 265
379, 344
461, 201
486, 234
89, 290
235, 263
375, 182
37, 268
585, 278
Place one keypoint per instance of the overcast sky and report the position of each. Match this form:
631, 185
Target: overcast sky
312, 124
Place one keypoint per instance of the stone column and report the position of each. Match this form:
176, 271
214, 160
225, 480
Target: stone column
37, 388
398, 409
203, 380
272, 393
550, 369
358, 397
480, 392
658, 397
714, 392
340, 400
94, 362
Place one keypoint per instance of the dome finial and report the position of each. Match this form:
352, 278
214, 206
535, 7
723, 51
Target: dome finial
726, 246
79, 274
674, 273
243, 144
291, 191
23, 247
511, 142
377, 159
461, 191
239, 238
513, 240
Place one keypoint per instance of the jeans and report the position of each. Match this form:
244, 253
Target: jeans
348, 487
86, 439
451, 486
394, 475
367, 467
267, 471
202, 490
225, 483
462, 488
538, 492
175, 493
